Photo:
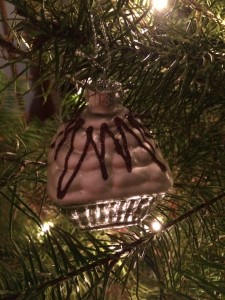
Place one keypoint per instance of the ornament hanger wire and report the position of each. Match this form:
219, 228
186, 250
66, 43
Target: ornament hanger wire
103, 78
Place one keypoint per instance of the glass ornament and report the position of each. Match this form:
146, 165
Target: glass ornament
104, 168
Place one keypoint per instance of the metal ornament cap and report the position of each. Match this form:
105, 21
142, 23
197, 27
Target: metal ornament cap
104, 86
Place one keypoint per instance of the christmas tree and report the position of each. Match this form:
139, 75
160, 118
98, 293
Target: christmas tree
169, 58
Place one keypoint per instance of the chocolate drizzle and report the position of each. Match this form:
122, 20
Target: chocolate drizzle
142, 131
70, 127
121, 147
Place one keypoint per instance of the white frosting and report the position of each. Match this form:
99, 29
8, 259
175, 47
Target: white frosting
88, 185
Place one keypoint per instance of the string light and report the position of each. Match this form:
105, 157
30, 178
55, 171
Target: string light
159, 4
156, 225
46, 226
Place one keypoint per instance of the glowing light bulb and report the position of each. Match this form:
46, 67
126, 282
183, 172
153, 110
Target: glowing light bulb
46, 226
156, 225
159, 4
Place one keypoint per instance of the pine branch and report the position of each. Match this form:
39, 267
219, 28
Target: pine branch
112, 259
172, 68
23, 163
11, 48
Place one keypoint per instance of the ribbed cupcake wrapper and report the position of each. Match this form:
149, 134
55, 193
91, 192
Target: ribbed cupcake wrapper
110, 213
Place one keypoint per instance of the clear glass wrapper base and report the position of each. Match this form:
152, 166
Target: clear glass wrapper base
110, 213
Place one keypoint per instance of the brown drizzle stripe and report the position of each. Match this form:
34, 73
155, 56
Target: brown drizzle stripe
71, 122
61, 192
100, 155
140, 127
133, 120
142, 133
79, 123
121, 148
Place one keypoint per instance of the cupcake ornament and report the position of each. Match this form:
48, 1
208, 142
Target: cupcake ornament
104, 168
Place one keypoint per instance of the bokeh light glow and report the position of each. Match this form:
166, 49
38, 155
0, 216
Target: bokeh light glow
156, 225
159, 4
46, 226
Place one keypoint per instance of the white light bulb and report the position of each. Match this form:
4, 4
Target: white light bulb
46, 226
159, 4
156, 226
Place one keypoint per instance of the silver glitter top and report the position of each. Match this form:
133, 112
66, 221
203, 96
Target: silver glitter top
105, 86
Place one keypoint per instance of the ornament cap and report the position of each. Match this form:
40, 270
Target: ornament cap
105, 86
102, 96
